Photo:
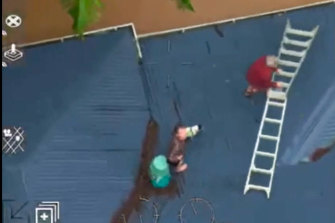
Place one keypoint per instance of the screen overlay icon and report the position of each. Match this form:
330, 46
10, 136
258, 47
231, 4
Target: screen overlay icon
12, 140
13, 21
47, 212
13, 54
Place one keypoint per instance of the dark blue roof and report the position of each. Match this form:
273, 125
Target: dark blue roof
83, 108
209, 74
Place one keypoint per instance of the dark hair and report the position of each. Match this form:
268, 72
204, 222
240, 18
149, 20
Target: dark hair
175, 129
177, 126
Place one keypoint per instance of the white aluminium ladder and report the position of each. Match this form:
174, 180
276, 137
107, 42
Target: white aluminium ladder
291, 55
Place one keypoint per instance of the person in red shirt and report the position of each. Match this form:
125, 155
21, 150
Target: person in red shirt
259, 75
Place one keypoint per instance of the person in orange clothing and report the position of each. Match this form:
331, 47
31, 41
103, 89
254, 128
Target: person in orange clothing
259, 75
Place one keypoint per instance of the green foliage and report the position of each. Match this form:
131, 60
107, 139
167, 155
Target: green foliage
186, 4
86, 12
83, 13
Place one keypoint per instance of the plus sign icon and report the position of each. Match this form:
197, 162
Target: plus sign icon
44, 215
47, 212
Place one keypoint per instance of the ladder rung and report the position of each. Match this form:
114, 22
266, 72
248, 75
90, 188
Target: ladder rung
296, 42
288, 63
261, 170
277, 104
292, 52
272, 120
272, 155
284, 84
300, 32
256, 187
273, 138
276, 95
285, 73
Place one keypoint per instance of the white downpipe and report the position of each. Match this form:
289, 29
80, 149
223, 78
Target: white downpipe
139, 51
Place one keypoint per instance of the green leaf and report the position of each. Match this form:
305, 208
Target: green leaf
186, 4
83, 13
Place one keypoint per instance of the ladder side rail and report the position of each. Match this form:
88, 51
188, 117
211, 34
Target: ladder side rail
278, 143
287, 26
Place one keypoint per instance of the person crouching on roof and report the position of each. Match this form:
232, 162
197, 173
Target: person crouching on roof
259, 75
177, 146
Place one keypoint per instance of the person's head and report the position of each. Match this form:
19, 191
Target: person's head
181, 133
271, 61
